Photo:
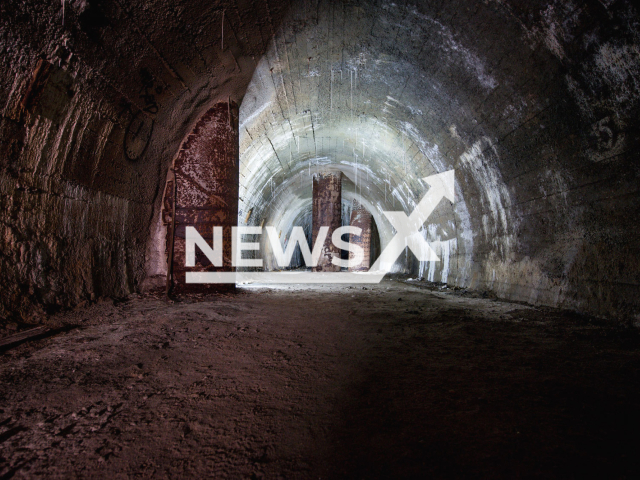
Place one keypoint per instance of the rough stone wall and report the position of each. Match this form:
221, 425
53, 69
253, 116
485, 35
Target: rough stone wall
85, 143
74, 210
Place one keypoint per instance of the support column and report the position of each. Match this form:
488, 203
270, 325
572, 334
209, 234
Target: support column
327, 212
207, 179
361, 218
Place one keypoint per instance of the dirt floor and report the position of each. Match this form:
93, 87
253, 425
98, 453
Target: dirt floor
389, 381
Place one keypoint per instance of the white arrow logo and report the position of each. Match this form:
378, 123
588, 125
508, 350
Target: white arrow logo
408, 228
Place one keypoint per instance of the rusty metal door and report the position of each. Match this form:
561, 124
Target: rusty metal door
206, 194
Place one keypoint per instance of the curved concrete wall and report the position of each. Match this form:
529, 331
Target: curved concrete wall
532, 105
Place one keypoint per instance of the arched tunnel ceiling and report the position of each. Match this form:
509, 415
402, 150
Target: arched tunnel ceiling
390, 94
505, 93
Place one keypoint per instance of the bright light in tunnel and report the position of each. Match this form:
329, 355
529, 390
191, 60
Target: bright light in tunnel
407, 235
385, 124
383, 168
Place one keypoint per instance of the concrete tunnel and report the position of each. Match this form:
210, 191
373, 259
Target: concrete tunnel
121, 118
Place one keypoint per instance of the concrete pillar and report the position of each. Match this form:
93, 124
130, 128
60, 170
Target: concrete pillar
361, 218
207, 176
327, 211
